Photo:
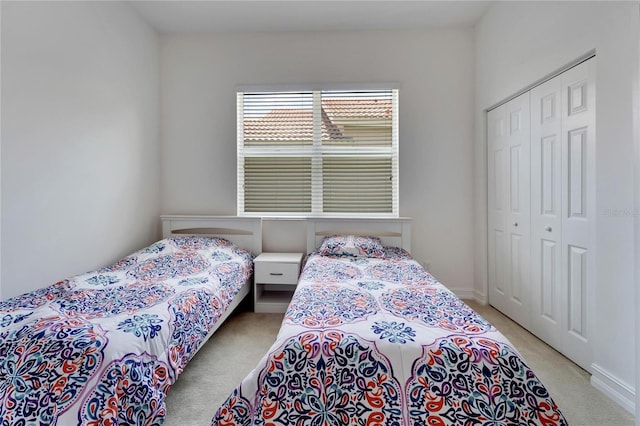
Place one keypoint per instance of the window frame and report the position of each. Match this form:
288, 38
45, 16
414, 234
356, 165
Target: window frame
316, 151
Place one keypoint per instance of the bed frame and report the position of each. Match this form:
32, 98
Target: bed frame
392, 231
245, 232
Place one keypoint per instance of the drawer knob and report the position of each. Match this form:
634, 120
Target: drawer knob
277, 274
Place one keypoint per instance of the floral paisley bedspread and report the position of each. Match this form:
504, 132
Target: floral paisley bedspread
381, 342
103, 348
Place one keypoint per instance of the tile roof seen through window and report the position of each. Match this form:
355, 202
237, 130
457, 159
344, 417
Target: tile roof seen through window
296, 125
360, 108
288, 125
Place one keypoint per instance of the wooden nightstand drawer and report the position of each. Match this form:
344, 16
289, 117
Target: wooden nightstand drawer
277, 273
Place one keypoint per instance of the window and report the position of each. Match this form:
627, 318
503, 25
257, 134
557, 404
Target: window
318, 153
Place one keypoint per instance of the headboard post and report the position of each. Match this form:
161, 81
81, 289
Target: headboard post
406, 234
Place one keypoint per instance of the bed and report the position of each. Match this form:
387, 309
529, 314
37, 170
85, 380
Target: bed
371, 338
104, 347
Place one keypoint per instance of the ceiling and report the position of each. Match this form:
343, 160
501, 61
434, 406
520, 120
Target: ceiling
186, 16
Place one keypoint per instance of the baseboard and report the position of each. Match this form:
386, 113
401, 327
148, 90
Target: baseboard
480, 297
614, 388
463, 293
470, 294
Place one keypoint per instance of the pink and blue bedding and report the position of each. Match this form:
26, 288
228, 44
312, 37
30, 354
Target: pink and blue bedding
103, 348
370, 340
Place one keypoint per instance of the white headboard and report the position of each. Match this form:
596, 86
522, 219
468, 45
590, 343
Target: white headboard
245, 232
392, 231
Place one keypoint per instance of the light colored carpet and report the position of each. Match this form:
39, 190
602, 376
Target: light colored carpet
568, 384
230, 354
242, 341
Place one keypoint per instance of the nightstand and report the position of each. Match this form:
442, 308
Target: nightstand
275, 280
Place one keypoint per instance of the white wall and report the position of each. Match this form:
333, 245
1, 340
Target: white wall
80, 150
200, 74
516, 44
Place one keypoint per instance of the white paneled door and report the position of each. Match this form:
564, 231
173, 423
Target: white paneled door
542, 210
518, 214
563, 210
496, 194
546, 215
509, 208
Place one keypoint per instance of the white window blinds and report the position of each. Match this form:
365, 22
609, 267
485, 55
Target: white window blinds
314, 153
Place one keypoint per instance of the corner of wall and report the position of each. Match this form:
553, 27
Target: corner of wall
480, 285
481, 297
636, 201
0, 162
464, 293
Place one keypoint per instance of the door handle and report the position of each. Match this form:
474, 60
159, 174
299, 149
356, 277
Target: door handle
548, 229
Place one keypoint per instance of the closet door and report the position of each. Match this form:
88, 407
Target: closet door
518, 212
546, 212
497, 207
578, 209
509, 208
563, 210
